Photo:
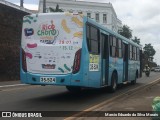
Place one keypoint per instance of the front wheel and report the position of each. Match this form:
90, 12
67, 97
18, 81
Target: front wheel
74, 89
113, 86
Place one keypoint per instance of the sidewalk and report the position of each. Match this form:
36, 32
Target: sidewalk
141, 101
11, 82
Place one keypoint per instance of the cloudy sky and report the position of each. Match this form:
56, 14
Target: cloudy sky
142, 16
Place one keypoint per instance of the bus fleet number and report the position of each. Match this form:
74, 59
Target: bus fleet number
93, 67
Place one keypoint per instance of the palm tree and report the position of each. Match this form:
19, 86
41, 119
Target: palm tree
55, 10
136, 40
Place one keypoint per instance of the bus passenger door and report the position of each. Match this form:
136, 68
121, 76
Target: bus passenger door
105, 59
125, 61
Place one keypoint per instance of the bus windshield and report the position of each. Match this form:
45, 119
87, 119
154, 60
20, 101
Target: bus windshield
50, 43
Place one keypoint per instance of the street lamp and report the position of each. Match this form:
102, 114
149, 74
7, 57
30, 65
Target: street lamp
21, 3
44, 6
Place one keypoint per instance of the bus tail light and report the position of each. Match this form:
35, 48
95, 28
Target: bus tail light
77, 61
24, 64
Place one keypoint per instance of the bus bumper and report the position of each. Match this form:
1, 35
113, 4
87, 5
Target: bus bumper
35, 79
63, 80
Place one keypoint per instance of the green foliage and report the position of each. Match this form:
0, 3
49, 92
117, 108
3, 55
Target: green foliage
136, 40
156, 104
149, 50
55, 10
126, 32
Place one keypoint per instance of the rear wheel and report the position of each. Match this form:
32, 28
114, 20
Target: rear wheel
113, 86
74, 89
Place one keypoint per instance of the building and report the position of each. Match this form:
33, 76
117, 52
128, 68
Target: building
9, 4
103, 13
11, 19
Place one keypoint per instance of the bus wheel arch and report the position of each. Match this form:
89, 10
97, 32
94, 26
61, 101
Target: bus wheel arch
114, 82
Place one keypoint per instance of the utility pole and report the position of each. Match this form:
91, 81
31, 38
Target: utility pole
44, 6
21, 3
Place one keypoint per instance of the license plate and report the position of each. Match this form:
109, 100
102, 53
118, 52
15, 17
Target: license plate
47, 79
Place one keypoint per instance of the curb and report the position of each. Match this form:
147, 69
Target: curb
14, 85
130, 92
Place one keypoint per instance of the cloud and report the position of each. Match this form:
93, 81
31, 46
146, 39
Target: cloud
25, 1
143, 17
31, 6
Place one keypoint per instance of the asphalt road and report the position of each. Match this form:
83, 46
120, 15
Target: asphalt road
57, 98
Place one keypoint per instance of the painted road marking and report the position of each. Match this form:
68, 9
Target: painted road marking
130, 92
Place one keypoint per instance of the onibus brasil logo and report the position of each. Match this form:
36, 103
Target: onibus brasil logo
47, 33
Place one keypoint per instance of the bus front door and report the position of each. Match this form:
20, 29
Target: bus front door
105, 59
125, 62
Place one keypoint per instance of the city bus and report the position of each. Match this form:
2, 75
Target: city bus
72, 50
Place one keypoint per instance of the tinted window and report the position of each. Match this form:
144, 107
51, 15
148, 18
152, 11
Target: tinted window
93, 39
94, 46
115, 47
114, 42
113, 51
131, 54
119, 52
94, 33
119, 44
137, 53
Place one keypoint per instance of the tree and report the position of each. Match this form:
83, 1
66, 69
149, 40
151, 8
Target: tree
149, 50
55, 10
126, 32
136, 40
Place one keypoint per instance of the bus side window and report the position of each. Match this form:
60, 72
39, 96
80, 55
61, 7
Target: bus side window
93, 39
138, 54
113, 44
131, 53
135, 53
119, 48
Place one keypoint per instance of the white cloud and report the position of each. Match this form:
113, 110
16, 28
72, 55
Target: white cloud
31, 6
143, 17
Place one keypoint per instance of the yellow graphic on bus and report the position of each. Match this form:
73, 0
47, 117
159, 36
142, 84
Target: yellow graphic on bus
65, 27
93, 58
78, 34
94, 62
77, 21
68, 14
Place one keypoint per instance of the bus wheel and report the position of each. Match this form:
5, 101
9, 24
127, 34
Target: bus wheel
113, 86
133, 82
74, 89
